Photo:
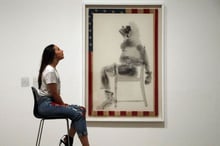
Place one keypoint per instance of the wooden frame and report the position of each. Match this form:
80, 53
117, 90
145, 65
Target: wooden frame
102, 42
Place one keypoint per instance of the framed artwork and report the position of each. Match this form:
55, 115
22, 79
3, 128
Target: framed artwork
123, 62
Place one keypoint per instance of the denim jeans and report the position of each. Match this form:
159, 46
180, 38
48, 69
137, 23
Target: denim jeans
75, 113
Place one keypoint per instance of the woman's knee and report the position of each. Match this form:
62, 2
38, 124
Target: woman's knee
81, 114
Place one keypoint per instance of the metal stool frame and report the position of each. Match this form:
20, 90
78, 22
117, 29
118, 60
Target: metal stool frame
43, 118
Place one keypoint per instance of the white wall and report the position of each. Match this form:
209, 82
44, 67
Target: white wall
192, 65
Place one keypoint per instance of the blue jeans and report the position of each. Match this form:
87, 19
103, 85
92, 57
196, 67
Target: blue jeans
75, 113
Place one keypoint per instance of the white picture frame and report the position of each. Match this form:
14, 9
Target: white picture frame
91, 65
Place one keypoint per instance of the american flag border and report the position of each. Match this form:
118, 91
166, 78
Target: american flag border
154, 113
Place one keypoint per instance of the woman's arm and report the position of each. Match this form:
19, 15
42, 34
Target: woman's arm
52, 88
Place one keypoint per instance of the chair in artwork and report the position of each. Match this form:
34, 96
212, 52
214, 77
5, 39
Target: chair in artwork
126, 78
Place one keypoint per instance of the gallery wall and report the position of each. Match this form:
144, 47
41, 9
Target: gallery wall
192, 103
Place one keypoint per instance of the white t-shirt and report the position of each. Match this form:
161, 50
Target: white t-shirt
49, 75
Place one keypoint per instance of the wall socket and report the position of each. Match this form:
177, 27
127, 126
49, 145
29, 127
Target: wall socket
25, 82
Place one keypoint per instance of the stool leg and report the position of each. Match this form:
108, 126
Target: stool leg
40, 132
67, 123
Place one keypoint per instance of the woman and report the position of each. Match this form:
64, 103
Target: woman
51, 102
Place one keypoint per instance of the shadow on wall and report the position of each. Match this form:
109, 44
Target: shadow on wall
127, 124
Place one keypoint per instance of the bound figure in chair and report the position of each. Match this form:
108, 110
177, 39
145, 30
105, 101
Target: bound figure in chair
133, 54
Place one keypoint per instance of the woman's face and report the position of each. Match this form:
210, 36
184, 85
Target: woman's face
58, 53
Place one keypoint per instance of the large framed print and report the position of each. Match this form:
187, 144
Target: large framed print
123, 62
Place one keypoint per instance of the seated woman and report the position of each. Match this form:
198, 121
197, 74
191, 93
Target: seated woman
133, 54
51, 102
